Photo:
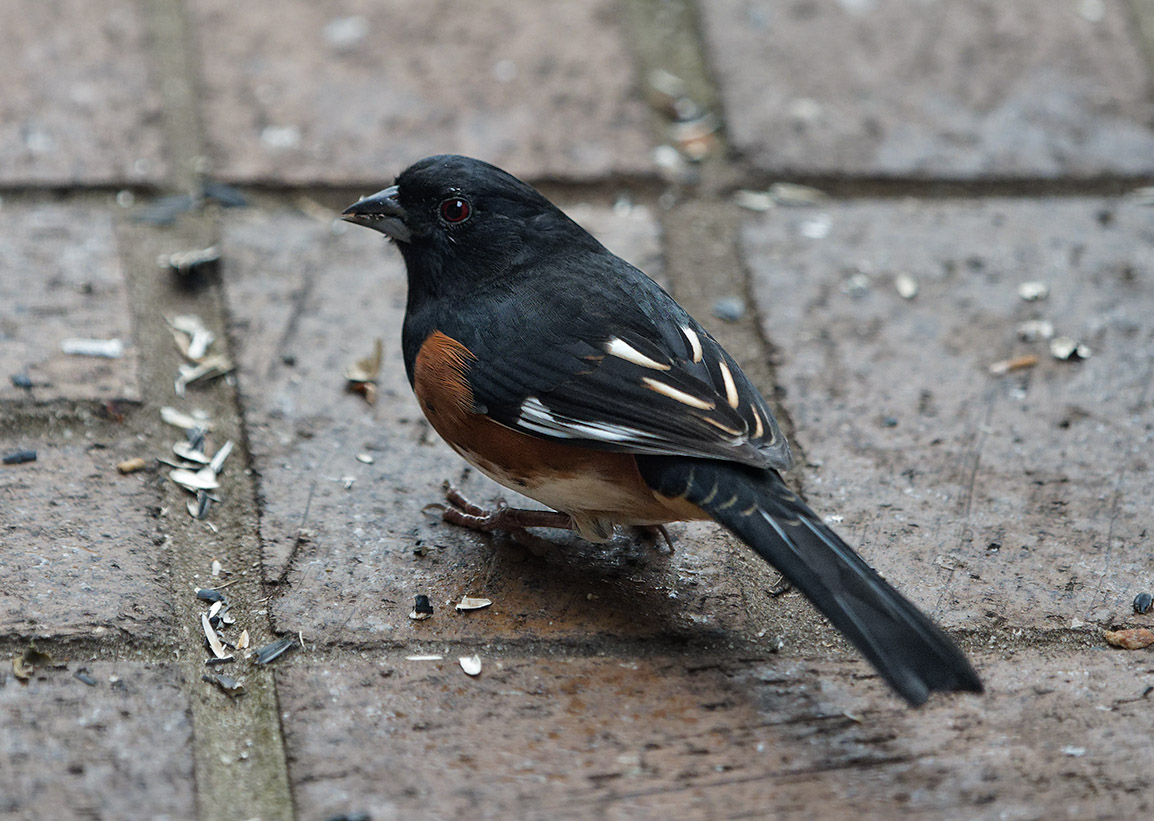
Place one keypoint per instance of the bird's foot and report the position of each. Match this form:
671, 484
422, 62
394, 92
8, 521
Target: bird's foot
460, 511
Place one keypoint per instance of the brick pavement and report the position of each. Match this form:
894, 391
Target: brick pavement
616, 682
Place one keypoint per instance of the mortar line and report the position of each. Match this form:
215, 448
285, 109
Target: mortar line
239, 756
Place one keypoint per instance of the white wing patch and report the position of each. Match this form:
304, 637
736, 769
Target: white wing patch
623, 350
539, 419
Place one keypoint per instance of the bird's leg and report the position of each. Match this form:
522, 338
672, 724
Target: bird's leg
460, 511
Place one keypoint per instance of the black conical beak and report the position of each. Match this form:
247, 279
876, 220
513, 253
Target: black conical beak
381, 212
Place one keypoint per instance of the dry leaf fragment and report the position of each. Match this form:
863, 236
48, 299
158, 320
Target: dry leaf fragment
22, 669
1134, 638
368, 368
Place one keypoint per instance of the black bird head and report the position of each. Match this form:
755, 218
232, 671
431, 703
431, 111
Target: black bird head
453, 214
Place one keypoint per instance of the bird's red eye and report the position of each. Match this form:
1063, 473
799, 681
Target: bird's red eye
455, 209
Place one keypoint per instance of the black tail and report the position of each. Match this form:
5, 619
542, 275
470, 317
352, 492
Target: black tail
909, 651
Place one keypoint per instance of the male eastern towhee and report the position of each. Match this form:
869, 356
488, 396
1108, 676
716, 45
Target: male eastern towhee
564, 373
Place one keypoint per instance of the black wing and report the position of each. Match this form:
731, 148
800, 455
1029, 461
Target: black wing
646, 378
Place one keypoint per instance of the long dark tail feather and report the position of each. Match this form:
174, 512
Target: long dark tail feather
909, 651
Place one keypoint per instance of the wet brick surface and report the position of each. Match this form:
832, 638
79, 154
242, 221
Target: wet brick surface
704, 738
61, 278
120, 748
79, 105
80, 555
1020, 497
952, 89
356, 91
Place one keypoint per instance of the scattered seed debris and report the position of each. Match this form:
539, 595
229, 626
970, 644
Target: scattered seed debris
471, 665
817, 227
196, 420
670, 95
1033, 291
82, 675
1068, 349
191, 336
672, 165
189, 262
243, 642
211, 367
209, 594
103, 348
471, 603
1142, 603
792, 194
1134, 638
213, 639
271, 652
22, 381
753, 200
215, 662
906, 286
198, 508
19, 457
218, 458
217, 567
729, 308
194, 480
1034, 330
422, 609
425, 657
365, 458
1073, 752
1016, 363
229, 685
131, 465
190, 453
214, 611
695, 138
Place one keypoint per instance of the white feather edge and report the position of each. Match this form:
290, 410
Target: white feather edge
539, 419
